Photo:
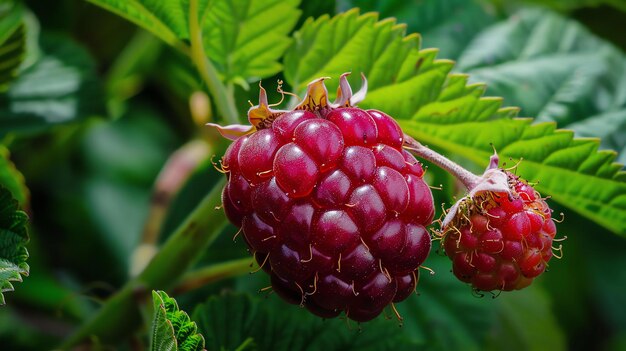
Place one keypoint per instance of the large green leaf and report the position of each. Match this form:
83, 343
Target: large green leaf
12, 41
172, 330
245, 38
441, 110
13, 237
61, 87
228, 321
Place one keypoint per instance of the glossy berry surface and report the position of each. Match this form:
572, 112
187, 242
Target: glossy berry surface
503, 241
332, 208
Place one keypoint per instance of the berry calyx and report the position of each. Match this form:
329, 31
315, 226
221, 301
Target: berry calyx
329, 203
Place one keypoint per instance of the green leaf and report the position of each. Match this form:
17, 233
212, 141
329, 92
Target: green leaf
525, 322
245, 38
11, 178
172, 330
13, 237
228, 321
12, 42
60, 87
167, 19
441, 110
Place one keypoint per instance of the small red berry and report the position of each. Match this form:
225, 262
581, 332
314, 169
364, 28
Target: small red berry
500, 240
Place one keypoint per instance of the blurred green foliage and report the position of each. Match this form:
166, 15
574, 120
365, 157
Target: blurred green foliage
98, 105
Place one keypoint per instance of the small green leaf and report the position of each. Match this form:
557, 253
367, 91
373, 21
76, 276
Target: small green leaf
441, 110
62, 86
13, 237
11, 178
245, 38
172, 330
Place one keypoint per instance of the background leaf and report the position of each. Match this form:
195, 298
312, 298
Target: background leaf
60, 87
13, 237
556, 70
172, 330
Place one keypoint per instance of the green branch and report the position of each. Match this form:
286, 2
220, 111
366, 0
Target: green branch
223, 100
203, 276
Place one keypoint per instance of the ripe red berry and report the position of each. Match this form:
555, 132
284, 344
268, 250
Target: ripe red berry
500, 240
332, 207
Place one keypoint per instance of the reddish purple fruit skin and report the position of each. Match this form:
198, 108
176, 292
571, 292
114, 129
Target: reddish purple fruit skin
506, 247
333, 207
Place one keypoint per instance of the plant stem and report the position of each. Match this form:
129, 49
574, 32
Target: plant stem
213, 273
469, 179
120, 315
223, 100
176, 171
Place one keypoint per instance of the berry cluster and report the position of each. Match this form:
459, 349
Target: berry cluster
501, 240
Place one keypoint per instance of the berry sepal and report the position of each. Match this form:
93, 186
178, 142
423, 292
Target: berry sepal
494, 180
262, 116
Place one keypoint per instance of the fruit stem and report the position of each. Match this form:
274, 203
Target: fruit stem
177, 170
203, 276
224, 101
469, 179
